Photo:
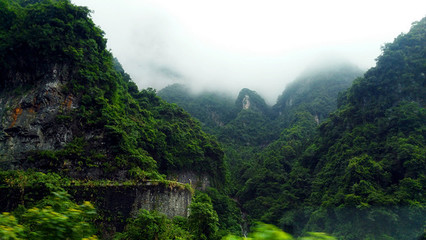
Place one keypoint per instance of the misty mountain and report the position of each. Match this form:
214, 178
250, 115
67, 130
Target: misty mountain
317, 90
250, 100
360, 176
212, 109
302, 106
340, 152
353, 173
257, 132
223, 116
371, 152
250, 121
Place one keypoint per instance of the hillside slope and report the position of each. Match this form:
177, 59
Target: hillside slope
362, 175
272, 181
370, 160
67, 106
212, 109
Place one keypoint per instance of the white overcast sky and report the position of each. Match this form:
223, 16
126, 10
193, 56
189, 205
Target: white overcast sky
258, 44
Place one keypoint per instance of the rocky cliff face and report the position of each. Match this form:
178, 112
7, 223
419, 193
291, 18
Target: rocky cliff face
37, 114
30, 115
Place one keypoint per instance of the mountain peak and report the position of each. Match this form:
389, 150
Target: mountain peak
316, 90
250, 100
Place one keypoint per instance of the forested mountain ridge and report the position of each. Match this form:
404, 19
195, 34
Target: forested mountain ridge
316, 90
66, 105
252, 125
250, 100
220, 114
273, 182
360, 173
212, 109
371, 152
362, 176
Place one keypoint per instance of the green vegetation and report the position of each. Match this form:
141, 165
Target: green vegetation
154, 225
268, 232
54, 217
228, 212
210, 108
134, 130
370, 162
131, 130
351, 163
359, 173
203, 220
57, 217
201, 224
51, 181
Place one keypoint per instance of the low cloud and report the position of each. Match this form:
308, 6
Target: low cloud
230, 45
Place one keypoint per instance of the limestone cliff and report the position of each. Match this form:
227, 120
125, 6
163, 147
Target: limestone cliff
30, 115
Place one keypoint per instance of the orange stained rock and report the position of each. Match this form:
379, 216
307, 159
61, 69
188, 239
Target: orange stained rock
15, 114
68, 101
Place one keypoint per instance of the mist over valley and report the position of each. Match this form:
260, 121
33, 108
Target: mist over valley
212, 120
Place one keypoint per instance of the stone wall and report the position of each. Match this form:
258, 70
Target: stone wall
196, 180
114, 204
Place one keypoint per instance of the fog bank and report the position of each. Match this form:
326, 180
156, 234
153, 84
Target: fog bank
230, 45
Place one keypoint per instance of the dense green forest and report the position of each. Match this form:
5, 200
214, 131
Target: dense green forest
252, 127
341, 151
357, 171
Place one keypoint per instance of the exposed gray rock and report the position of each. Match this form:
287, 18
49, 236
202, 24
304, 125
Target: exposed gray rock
246, 102
28, 114
171, 201
197, 181
38, 115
